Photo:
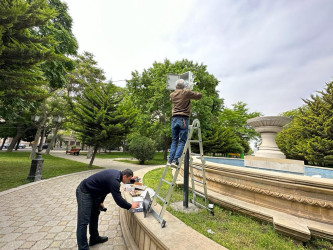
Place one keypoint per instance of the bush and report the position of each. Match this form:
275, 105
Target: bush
142, 148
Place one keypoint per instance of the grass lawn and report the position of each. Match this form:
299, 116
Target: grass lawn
15, 167
157, 160
232, 230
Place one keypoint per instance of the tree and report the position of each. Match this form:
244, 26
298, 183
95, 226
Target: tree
149, 95
98, 116
22, 51
310, 135
142, 148
46, 28
86, 72
229, 131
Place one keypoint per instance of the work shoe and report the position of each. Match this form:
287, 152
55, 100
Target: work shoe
99, 239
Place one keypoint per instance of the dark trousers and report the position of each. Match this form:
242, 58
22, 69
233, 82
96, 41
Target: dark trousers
88, 213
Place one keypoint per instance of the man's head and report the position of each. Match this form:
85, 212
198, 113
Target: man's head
127, 175
180, 84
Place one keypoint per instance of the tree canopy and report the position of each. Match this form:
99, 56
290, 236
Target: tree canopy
310, 135
98, 116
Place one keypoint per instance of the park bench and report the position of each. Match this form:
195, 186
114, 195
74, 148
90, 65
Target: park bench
73, 151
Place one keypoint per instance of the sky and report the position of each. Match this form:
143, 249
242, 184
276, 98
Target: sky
267, 54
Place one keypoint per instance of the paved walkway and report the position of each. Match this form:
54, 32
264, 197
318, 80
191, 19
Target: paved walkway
42, 215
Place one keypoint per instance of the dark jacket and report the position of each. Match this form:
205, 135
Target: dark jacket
181, 101
104, 182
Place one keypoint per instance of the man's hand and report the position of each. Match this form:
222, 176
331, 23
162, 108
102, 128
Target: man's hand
135, 204
102, 208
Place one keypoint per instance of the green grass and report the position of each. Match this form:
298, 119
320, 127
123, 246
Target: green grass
15, 167
157, 160
232, 230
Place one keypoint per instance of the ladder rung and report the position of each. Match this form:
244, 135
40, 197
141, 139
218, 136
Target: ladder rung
197, 141
199, 168
196, 180
157, 196
168, 182
199, 194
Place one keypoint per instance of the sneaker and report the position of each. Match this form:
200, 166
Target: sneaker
174, 164
99, 239
168, 163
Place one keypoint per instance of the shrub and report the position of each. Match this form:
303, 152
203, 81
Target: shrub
142, 148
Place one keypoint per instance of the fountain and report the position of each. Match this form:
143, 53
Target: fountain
269, 155
268, 127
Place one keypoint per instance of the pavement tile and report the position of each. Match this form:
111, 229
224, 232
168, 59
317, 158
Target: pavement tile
45, 229
28, 223
44, 213
120, 247
34, 229
13, 244
10, 237
62, 236
24, 236
69, 229
57, 229
28, 244
50, 236
37, 236
56, 244
69, 243
7, 230
41, 244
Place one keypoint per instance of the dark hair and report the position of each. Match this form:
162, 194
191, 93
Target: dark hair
127, 172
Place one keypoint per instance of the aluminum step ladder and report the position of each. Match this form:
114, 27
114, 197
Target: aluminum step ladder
202, 181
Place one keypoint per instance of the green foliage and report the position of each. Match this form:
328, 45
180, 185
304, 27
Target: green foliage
142, 148
222, 140
22, 50
149, 95
86, 72
229, 132
310, 135
98, 116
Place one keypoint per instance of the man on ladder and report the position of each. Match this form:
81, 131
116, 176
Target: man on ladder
181, 108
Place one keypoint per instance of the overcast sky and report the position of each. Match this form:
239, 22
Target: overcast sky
269, 54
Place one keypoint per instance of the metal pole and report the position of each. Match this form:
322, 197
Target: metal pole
186, 173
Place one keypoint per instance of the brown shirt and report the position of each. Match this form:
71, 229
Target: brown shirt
181, 101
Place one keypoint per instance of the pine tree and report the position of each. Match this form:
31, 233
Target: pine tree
21, 51
98, 115
310, 135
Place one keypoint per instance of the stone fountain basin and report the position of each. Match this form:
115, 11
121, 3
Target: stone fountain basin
278, 121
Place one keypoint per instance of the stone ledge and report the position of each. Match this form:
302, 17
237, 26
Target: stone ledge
292, 226
147, 233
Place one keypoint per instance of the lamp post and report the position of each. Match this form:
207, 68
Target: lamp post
35, 173
57, 119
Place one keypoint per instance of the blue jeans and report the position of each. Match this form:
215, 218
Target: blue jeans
179, 129
88, 213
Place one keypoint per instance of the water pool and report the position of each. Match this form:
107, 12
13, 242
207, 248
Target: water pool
308, 171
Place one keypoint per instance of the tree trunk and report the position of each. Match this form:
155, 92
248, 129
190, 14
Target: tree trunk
3, 143
17, 144
93, 156
33, 151
53, 139
34, 146
19, 133
90, 151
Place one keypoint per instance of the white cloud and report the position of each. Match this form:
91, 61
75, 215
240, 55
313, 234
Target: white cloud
268, 54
